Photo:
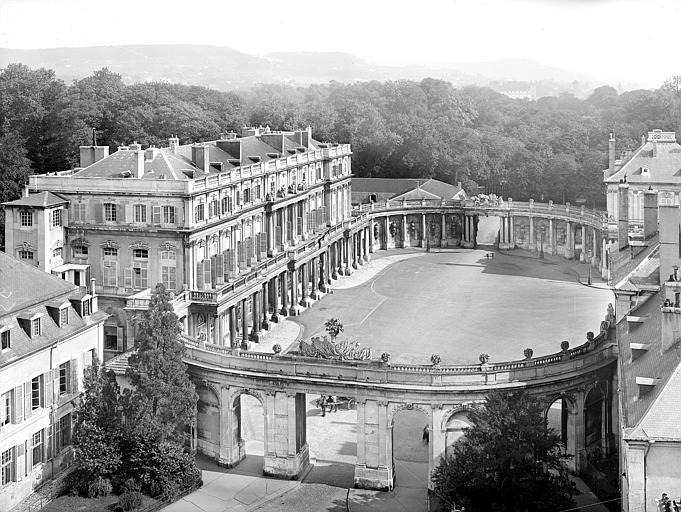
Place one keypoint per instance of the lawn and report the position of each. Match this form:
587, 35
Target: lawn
105, 504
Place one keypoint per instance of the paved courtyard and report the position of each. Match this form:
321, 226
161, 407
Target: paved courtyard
459, 304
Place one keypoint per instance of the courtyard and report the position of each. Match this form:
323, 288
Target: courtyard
458, 303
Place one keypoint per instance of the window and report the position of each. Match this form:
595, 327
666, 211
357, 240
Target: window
86, 307
56, 253
168, 270
109, 266
247, 195
38, 447
198, 212
36, 393
63, 317
63, 434
4, 339
79, 212
35, 327
56, 218
6, 401
6, 462
226, 204
213, 208
64, 378
169, 215
26, 255
256, 194
80, 251
140, 213
26, 217
139, 274
110, 338
140, 254
110, 212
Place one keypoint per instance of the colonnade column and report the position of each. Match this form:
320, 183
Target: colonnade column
255, 329
424, 234
404, 231
368, 246
512, 231
313, 279
594, 246
321, 274
271, 248
371, 234
570, 241
265, 305
354, 245
287, 454
244, 323
551, 238
333, 261
221, 330
346, 255
274, 298
304, 268
232, 327
582, 255
374, 467
284, 293
293, 309
443, 234
191, 273
327, 273
533, 242
386, 231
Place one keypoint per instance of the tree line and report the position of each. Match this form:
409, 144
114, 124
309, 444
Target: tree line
553, 148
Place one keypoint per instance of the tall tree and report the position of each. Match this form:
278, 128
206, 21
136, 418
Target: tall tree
509, 460
162, 401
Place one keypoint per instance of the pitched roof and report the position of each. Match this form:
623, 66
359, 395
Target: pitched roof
661, 158
662, 419
398, 186
40, 199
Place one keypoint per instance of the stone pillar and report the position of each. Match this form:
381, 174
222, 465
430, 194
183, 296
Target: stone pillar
443, 235
284, 228
244, 323
582, 255
333, 261
231, 450
405, 234
327, 276
386, 232
274, 298
502, 232
314, 278
512, 231
371, 235
424, 234
255, 317
271, 247
374, 468
346, 256
284, 293
321, 276
533, 242
221, 329
577, 445
287, 453
304, 301
368, 247
354, 246
265, 305
594, 247
552, 239
570, 241
437, 442
293, 308
232, 327
191, 271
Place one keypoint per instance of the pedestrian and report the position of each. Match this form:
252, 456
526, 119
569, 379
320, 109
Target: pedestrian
322, 404
425, 434
333, 404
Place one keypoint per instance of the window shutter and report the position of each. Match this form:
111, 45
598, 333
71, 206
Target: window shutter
120, 213
156, 214
207, 274
98, 209
55, 385
220, 268
19, 454
213, 270
119, 339
127, 281
28, 409
73, 377
129, 213
48, 442
47, 387
18, 404
199, 275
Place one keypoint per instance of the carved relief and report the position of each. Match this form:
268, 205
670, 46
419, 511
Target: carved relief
139, 245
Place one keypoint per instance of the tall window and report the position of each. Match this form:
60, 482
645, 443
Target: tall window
110, 337
26, 218
36, 393
169, 215
80, 251
56, 218
140, 213
64, 378
6, 403
139, 268
110, 266
110, 212
4, 339
86, 307
63, 433
26, 255
35, 327
6, 462
226, 204
63, 317
168, 270
79, 211
56, 253
38, 447
247, 195
213, 208
198, 212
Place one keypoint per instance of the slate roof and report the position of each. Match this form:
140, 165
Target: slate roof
661, 422
26, 291
395, 188
663, 168
40, 199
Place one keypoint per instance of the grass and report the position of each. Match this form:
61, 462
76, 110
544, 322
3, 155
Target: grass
77, 503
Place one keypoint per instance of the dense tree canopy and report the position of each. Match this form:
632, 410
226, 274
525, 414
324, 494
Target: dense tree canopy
508, 461
554, 148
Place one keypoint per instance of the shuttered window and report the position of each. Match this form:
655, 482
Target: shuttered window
168, 269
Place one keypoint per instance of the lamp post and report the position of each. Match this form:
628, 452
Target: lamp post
588, 262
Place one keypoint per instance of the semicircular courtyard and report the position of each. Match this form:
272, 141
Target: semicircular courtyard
461, 303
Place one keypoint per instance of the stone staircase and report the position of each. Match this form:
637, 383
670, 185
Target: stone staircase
42, 495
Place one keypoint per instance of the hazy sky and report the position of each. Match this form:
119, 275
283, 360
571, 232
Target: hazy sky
633, 40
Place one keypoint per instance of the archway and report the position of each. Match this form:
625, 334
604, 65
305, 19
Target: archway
208, 422
594, 416
455, 429
558, 418
249, 431
487, 232
411, 448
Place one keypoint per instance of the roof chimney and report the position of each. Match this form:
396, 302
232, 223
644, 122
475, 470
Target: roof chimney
670, 232
623, 216
91, 154
611, 154
135, 147
649, 213
201, 156
232, 147
173, 142
138, 169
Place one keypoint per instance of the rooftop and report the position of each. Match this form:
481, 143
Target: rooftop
396, 188
657, 160
40, 199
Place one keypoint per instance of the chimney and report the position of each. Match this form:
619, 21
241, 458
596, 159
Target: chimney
670, 232
247, 131
201, 156
623, 216
611, 154
227, 136
91, 154
655, 150
649, 213
138, 152
135, 147
173, 142
27, 190
231, 146
307, 136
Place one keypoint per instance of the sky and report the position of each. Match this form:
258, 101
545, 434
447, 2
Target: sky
615, 40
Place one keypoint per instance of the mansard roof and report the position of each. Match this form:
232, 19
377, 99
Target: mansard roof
657, 160
395, 188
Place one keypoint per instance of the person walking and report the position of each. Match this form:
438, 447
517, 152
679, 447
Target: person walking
426, 434
333, 405
322, 404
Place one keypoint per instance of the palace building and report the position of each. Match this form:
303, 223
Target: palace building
199, 218
50, 332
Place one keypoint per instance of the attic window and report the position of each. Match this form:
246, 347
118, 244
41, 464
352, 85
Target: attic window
217, 165
234, 161
255, 159
292, 151
126, 174
5, 340
36, 327
301, 149
645, 171
273, 155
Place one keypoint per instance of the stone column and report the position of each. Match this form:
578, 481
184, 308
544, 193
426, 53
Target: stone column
437, 441
271, 248
284, 293
244, 323
191, 271
371, 235
594, 245
604, 258
293, 308
255, 330
274, 298
231, 450
502, 232
304, 268
570, 241
287, 453
512, 231
552, 249
320, 275
334, 259
265, 305
374, 468
443, 235
405, 234
314, 278
582, 255
348, 261
424, 234
327, 276
386, 232
232, 327
354, 246
221, 329
533, 242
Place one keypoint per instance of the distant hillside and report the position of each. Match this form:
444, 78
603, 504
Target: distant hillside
225, 68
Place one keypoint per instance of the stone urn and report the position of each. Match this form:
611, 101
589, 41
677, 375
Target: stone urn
590, 338
528, 353
385, 358
564, 345
276, 348
483, 358
435, 360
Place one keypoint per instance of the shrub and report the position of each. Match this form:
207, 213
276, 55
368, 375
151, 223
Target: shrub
131, 485
130, 500
99, 487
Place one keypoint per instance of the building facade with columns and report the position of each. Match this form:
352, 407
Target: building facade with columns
50, 331
207, 220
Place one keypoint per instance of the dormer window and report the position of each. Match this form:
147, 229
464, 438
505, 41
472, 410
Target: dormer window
36, 327
5, 340
26, 218
86, 307
63, 317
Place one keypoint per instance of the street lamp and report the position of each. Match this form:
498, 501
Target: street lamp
588, 262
